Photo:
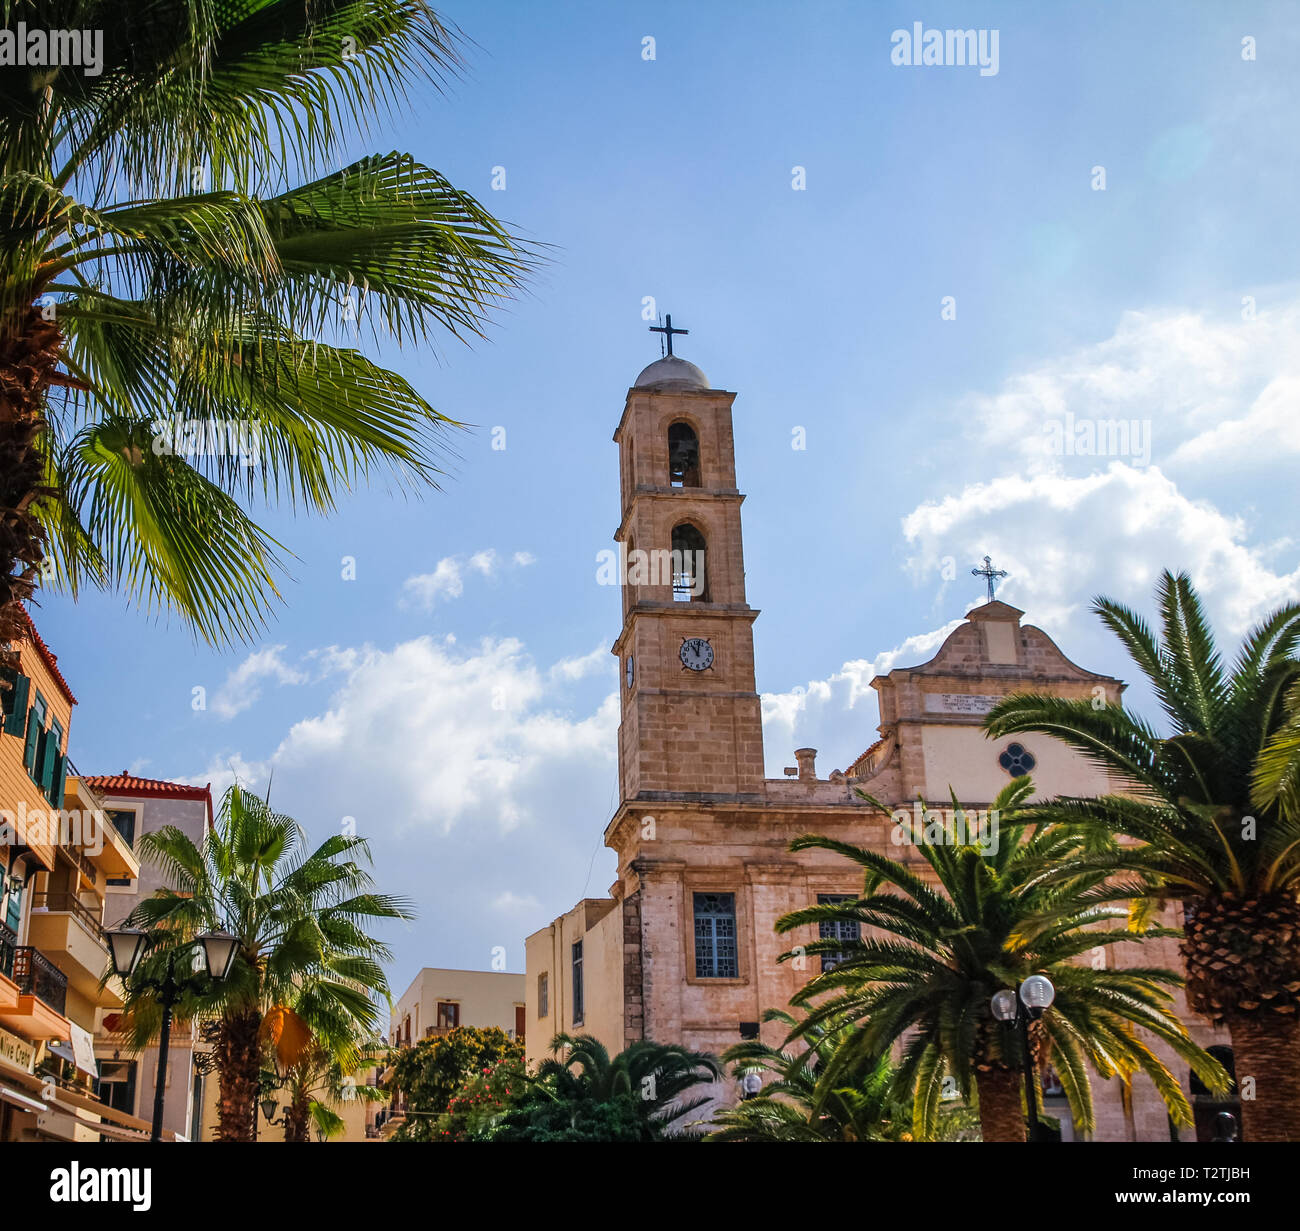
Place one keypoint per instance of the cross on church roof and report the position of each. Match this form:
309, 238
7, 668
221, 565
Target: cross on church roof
667, 330
988, 572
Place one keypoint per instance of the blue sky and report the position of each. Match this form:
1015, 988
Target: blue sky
456, 698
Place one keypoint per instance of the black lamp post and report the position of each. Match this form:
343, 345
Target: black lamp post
1017, 1009
128, 945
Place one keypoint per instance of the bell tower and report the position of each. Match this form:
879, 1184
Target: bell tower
691, 721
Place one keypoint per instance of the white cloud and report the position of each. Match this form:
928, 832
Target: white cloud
447, 581
1066, 539
444, 582
242, 686
481, 785
1214, 391
598, 661
224, 771
837, 715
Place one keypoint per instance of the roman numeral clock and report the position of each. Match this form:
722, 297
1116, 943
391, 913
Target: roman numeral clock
696, 654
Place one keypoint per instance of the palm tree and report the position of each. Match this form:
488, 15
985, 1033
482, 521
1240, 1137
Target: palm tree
323, 1078
1211, 814
799, 1105
183, 255
655, 1075
941, 950
301, 919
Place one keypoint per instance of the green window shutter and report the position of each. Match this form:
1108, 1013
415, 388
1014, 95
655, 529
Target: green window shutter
14, 909
33, 734
60, 779
49, 755
16, 718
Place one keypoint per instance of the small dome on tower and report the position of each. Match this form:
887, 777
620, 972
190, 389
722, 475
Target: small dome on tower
671, 372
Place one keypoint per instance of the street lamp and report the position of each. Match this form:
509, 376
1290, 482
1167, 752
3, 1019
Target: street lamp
1018, 1008
214, 955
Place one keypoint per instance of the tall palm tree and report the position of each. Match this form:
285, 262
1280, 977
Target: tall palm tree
656, 1075
799, 1105
301, 917
185, 271
1211, 813
987, 920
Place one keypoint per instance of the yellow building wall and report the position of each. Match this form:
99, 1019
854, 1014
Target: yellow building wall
17, 788
486, 998
598, 923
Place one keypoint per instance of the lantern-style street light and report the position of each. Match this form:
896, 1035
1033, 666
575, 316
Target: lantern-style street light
214, 955
1018, 1008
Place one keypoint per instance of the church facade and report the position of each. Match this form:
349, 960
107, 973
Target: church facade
684, 948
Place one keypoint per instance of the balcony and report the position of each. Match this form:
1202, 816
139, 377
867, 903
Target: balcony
42, 992
10, 993
69, 931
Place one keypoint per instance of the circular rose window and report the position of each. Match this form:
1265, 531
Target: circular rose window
1017, 760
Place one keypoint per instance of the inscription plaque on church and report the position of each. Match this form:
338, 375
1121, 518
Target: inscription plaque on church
959, 703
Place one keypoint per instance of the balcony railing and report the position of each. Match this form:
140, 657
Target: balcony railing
37, 976
69, 903
8, 943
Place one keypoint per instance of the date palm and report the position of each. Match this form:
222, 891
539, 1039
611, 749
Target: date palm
800, 1104
1212, 817
937, 947
302, 918
181, 249
658, 1076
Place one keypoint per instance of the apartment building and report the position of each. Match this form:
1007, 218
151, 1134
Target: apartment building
133, 807
58, 857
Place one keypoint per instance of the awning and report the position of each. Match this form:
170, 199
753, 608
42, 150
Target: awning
20, 1100
110, 1130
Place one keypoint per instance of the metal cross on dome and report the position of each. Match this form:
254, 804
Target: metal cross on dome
988, 572
667, 330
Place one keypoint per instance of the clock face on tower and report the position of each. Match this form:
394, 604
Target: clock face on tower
696, 654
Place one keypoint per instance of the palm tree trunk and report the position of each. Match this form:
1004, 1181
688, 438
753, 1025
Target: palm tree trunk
239, 1062
1266, 1048
1002, 1116
28, 358
296, 1117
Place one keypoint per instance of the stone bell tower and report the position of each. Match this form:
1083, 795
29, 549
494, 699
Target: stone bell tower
691, 719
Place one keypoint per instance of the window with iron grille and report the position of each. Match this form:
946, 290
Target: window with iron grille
836, 929
716, 954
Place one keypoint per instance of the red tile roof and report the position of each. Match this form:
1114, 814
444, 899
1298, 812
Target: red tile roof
50, 660
145, 788
131, 786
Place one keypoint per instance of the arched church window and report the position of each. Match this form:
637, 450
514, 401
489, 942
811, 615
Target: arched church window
683, 456
1017, 760
690, 582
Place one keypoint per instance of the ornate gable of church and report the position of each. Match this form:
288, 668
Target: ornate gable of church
932, 715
